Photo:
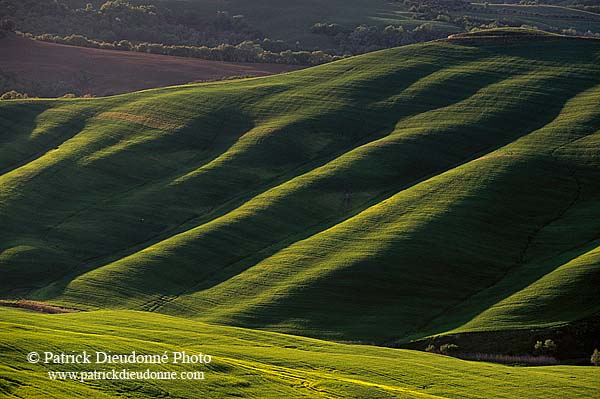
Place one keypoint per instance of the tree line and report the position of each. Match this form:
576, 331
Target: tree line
247, 51
116, 20
364, 38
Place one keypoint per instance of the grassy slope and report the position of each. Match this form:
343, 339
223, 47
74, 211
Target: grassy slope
393, 195
553, 299
540, 16
251, 364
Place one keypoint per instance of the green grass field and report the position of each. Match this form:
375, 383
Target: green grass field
254, 364
367, 185
443, 187
540, 16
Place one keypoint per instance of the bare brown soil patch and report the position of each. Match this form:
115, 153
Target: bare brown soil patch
105, 72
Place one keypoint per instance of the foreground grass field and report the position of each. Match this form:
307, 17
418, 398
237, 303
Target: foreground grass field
449, 186
255, 364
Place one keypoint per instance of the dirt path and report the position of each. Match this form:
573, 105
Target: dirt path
40, 307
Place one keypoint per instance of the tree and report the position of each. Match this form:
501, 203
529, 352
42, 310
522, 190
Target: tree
448, 349
538, 347
114, 5
13, 95
323, 28
125, 45
595, 359
548, 347
77, 40
7, 24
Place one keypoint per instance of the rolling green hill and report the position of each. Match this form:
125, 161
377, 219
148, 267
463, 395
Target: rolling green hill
443, 187
254, 364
